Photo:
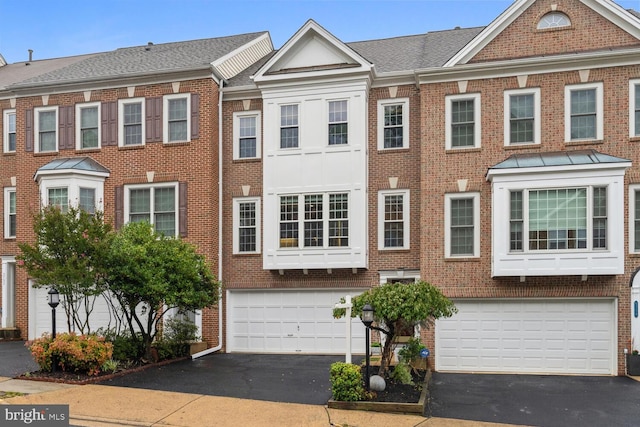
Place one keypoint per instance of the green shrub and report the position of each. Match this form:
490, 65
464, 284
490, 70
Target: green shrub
179, 330
411, 350
402, 373
126, 348
110, 365
72, 353
346, 382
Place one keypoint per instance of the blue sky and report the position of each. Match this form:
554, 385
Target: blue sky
55, 28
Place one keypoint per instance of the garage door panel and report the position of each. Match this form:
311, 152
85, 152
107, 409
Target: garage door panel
535, 336
294, 321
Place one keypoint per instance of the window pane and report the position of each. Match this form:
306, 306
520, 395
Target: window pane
248, 137
462, 123
47, 130
88, 200
289, 221
11, 132
583, 114
89, 127
600, 218
636, 237
338, 127
12, 214
313, 227
59, 197
178, 119
132, 124
393, 126
393, 221
288, 126
516, 223
247, 227
338, 223
140, 205
521, 118
558, 219
462, 227
637, 110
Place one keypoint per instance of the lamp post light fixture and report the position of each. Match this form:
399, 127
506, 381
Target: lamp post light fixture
54, 300
367, 320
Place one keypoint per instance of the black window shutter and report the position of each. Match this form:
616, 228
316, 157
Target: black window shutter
109, 113
182, 209
153, 113
28, 124
195, 115
119, 204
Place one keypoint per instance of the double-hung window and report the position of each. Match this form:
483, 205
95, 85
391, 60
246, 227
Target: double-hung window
634, 218
177, 113
46, 129
156, 204
584, 112
59, 197
10, 213
246, 217
393, 219
462, 226
462, 117
325, 222
9, 130
246, 135
634, 108
522, 116
393, 123
88, 126
87, 200
289, 131
559, 219
131, 129
338, 123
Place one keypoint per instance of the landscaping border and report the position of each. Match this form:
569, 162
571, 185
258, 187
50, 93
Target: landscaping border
392, 407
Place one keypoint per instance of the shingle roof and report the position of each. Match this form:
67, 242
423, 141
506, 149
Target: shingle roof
557, 158
20, 71
142, 60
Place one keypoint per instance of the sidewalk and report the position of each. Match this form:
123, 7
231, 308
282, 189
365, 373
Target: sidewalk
100, 406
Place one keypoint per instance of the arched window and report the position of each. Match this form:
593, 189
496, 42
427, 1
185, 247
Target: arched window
554, 20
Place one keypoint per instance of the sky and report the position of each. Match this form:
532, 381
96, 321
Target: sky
58, 28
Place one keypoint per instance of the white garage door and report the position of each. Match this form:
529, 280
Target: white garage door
575, 336
297, 321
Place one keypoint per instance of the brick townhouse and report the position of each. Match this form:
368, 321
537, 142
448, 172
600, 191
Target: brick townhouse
498, 163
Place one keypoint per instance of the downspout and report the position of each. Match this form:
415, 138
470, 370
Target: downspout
220, 305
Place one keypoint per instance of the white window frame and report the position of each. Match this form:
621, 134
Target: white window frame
236, 133
152, 187
236, 224
598, 86
537, 127
553, 20
329, 123
406, 206
121, 104
5, 127
632, 227
7, 229
298, 126
634, 86
79, 108
382, 103
165, 116
476, 223
477, 129
36, 128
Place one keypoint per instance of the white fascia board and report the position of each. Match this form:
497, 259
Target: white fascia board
512, 174
530, 66
616, 14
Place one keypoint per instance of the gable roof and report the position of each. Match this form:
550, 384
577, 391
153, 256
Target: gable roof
141, 61
607, 8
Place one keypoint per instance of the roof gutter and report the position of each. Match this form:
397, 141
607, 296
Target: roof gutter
220, 294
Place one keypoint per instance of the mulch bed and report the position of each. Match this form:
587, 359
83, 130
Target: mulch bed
396, 391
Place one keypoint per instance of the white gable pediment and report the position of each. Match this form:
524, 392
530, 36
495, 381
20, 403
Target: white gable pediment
311, 52
607, 8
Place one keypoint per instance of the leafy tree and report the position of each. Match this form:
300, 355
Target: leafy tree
398, 306
150, 274
68, 253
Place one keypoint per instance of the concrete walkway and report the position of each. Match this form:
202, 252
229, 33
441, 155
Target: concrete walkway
100, 406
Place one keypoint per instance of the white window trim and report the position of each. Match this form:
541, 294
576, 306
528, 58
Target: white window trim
284, 104
632, 113
236, 224
476, 223
406, 205
79, 108
598, 86
73, 182
128, 188
476, 118
536, 115
121, 104
36, 128
7, 192
236, 133
405, 122
165, 117
632, 227
5, 128
328, 123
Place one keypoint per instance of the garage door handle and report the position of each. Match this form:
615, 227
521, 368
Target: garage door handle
289, 335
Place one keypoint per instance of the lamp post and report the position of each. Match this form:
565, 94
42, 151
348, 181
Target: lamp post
54, 300
367, 320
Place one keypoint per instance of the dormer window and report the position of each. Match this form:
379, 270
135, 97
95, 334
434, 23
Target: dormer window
554, 20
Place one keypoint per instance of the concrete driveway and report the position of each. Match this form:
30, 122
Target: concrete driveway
537, 400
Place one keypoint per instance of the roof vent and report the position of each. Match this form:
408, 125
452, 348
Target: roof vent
30, 55
149, 44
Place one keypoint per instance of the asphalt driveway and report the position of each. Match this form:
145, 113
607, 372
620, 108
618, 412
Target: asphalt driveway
537, 400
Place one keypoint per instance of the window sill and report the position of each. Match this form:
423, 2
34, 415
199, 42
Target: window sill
523, 146
246, 254
88, 150
248, 160
388, 250
463, 150
393, 150
45, 153
584, 142
462, 259
9, 153
175, 143
131, 147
